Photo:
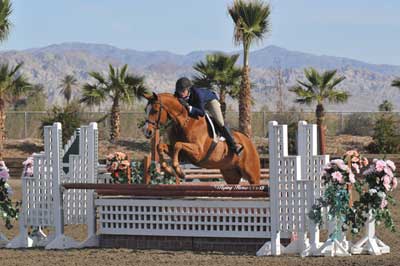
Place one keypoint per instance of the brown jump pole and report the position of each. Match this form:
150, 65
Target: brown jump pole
146, 169
182, 187
154, 142
182, 193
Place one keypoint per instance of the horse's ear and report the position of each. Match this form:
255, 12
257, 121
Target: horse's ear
151, 96
155, 96
147, 96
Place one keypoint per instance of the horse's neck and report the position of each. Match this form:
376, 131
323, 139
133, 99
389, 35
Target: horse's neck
188, 126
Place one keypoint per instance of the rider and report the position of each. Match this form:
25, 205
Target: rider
197, 100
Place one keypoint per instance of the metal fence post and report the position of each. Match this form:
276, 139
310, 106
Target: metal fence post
25, 125
264, 125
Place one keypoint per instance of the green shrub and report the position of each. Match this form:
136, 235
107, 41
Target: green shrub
359, 124
69, 116
385, 137
156, 177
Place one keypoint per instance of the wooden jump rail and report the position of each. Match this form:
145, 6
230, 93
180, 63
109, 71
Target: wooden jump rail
213, 173
233, 191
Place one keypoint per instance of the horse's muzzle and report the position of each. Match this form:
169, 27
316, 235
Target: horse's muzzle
148, 133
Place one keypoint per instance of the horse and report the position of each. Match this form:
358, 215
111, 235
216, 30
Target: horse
193, 142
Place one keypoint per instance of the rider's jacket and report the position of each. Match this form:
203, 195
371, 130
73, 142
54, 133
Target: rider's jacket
198, 98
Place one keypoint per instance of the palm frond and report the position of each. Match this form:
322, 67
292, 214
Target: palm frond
111, 71
307, 85
218, 72
5, 24
135, 87
92, 95
12, 84
16, 69
251, 20
319, 88
123, 72
335, 82
98, 77
313, 77
327, 77
67, 84
337, 96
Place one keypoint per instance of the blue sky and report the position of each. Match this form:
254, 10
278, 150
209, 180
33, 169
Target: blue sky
362, 29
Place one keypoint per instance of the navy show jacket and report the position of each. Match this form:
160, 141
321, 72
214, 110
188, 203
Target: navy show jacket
198, 98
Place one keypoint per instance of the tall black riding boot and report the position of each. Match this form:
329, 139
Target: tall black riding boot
226, 133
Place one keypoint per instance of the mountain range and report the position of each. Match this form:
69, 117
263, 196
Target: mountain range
369, 84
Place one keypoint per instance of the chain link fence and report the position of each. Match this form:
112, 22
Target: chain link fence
22, 125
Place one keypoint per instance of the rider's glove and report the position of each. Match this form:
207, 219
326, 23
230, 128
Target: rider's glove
184, 103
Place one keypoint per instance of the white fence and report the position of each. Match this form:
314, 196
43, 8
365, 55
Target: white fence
43, 202
247, 218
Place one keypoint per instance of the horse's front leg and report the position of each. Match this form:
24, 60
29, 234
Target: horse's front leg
194, 150
163, 149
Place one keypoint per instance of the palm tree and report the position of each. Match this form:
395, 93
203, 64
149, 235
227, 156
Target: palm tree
396, 83
320, 88
119, 86
34, 100
251, 19
219, 72
67, 85
5, 24
12, 87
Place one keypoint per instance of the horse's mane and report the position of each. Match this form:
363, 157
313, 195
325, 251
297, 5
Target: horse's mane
168, 96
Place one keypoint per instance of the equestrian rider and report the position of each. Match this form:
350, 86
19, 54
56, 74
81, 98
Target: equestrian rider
199, 100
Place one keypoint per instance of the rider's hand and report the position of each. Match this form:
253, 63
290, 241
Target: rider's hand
184, 103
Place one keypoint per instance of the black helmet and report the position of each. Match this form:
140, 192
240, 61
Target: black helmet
182, 84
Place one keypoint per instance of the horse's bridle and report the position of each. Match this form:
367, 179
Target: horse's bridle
157, 124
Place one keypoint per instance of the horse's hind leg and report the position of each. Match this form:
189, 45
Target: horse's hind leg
251, 172
231, 176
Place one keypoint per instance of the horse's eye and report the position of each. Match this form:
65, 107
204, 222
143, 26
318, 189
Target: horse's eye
152, 111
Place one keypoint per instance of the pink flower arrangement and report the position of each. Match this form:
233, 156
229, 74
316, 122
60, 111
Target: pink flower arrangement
4, 172
8, 211
337, 176
344, 171
380, 178
380, 165
118, 165
28, 167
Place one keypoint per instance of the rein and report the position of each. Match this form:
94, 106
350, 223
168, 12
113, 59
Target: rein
157, 123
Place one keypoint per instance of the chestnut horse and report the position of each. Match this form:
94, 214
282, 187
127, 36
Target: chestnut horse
194, 141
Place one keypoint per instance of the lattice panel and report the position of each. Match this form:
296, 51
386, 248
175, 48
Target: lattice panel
39, 200
292, 176
81, 169
288, 190
75, 201
312, 164
185, 217
38, 204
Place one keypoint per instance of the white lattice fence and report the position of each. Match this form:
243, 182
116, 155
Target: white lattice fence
292, 179
42, 195
185, 217
82, 168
